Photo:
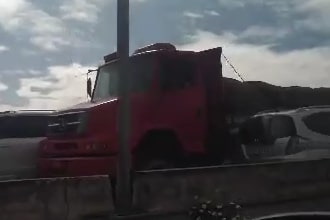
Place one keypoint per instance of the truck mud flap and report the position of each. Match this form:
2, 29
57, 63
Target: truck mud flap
260, 189
55, 199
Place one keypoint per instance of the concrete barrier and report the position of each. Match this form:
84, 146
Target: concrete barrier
55, 199
261, 189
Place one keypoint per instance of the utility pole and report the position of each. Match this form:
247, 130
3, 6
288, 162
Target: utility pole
123, 185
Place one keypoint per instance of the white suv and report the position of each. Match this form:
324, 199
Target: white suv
20, 135
309, 132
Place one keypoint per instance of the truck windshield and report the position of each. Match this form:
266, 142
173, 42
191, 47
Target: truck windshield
107, 82
140, 74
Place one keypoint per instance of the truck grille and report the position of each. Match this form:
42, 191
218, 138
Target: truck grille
64, 124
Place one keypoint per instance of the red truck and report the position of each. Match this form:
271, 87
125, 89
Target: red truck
178, 116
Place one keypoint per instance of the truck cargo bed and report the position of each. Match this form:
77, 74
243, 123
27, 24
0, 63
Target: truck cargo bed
251, 97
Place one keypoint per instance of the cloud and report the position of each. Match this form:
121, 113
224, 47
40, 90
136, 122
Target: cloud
233, 3
49, 42
316, 15
85, 10
3, 48
8, 10
16, 72
23, 15
3, 86
62, 86
265, 32
29, 52
23, 19
211, 13
192, 14
260, 35
314, 5
34, 72
82, 10
296, 24
309, 67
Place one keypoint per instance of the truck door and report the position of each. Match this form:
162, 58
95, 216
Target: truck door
181, 99
142, 94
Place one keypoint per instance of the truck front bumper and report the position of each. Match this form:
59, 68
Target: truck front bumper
77, 166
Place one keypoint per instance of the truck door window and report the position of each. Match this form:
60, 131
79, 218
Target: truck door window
177, 73
318, 122
141, 69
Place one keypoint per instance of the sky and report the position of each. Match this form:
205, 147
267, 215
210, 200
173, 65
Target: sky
46, 46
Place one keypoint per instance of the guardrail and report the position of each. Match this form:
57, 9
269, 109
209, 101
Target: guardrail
260, 189
55, 199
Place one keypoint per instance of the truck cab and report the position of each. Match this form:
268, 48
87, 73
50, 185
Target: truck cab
176, 112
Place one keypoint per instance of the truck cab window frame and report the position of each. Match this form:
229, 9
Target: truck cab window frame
177, 73
141, 73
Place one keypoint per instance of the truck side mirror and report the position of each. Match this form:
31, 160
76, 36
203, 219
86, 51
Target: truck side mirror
89, 87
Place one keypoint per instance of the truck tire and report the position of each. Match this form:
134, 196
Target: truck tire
158, 152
